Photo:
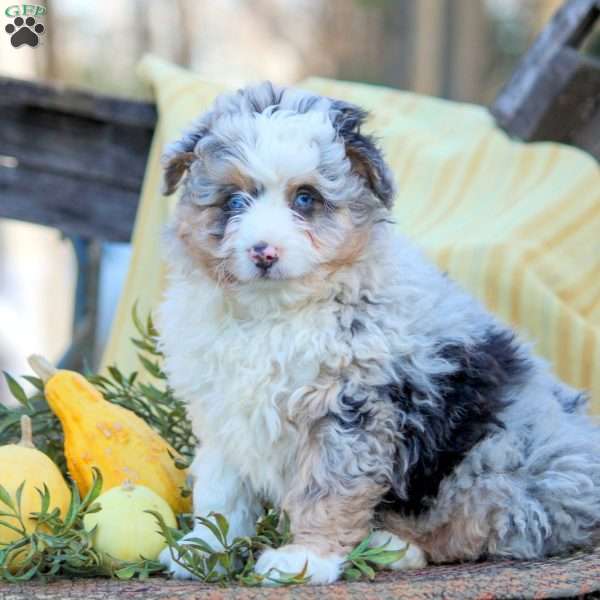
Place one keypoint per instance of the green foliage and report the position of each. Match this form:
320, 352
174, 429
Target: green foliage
365, 559
146, 393
151, 400
234, 560
47, 432
59, 546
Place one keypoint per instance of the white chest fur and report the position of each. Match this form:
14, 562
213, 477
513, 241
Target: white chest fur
238, 374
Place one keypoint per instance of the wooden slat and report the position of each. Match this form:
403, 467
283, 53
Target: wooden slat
75, 205
71, 159
573, 114
554, 94
57, 96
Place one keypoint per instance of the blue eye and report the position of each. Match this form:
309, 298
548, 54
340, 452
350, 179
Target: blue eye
236, 202
303, 201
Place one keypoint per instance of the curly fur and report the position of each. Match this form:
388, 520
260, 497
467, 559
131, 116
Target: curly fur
354, 385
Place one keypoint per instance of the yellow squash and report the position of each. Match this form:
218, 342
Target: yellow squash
113, 439
20, 463
124, 528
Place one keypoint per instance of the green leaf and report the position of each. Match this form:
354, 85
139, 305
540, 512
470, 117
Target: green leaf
164, 530
285, 578
16, 390
44, 499
95, 489
136, 320
180, 463
352, 574
362, 546
19, 530
222, 524
212, 527
365, 569
151, 330
200, 545
126, 572
387, 557
18, 496
145, 346
36, 382
116, 374
5, 498
151, 367
74, 506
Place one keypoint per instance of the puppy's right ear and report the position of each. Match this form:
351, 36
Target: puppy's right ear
175, 166
178, 157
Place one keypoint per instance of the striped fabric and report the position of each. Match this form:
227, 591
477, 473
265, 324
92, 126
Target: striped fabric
516, 224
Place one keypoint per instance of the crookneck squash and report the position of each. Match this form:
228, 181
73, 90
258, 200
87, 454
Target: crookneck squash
101, 434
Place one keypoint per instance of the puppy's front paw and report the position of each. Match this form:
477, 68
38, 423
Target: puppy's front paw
292, 559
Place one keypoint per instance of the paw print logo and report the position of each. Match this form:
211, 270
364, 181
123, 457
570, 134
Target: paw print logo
24, 31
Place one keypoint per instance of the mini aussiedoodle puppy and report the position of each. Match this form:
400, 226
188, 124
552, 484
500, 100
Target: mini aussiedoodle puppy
331, 370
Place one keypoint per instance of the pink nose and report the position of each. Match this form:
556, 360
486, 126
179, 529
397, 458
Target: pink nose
263, 255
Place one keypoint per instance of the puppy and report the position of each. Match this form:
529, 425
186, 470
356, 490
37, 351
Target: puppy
332, 371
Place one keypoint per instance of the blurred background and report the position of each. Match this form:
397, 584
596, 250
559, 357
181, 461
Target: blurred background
458, 49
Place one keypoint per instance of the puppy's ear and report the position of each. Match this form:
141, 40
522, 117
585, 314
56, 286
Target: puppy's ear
178, 157
175, 168
366, 158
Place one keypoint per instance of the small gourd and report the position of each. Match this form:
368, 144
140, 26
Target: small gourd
122, 528
101, 434
22, 462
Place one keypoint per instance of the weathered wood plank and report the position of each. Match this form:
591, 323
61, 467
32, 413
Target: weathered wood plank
554, 94
75, 205
57, 142
568, 27
56, 96
589, 137
570, 112
71, 159
572, 576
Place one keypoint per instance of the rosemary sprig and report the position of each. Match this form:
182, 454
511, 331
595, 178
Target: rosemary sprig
365, 559
233, 562
47, 432
59, 546
152, 400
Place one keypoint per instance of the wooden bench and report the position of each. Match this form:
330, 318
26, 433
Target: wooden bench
75, 160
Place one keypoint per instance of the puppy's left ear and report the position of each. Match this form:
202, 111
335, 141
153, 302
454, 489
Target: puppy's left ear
366, 158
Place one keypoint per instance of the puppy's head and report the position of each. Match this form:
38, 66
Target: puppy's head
278, 184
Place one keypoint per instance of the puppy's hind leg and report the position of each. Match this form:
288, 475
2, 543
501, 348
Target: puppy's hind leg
561, 474
525, 494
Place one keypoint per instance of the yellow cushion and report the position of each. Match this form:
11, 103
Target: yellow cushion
517, 224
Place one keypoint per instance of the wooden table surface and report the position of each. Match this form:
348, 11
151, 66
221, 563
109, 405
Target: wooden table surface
568, 577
